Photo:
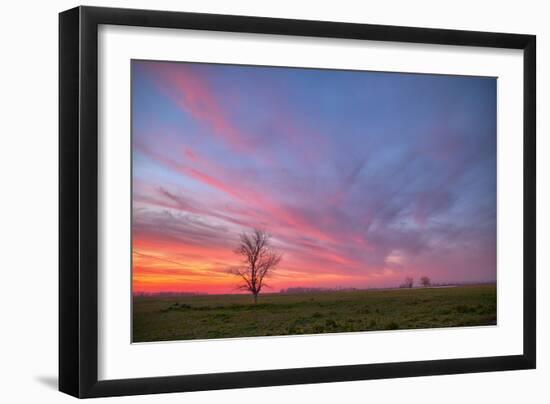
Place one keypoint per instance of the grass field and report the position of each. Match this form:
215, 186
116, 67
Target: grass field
227, 316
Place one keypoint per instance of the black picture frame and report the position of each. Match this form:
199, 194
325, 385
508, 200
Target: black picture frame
78, 201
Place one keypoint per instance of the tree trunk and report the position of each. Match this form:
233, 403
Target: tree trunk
255, 298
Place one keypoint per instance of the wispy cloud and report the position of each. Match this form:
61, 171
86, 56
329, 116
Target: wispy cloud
358, 185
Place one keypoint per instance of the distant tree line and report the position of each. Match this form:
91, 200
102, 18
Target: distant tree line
409, 282
315, 290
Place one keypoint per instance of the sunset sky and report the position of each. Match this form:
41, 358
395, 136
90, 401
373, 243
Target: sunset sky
362, 178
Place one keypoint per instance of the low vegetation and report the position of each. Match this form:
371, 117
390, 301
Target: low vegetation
226, 316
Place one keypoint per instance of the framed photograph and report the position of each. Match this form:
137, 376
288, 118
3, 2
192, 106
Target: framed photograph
251, 202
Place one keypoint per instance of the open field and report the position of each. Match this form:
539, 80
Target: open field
227, 316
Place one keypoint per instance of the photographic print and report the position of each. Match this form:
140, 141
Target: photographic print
271, 201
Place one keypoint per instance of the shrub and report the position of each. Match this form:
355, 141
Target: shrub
392, 326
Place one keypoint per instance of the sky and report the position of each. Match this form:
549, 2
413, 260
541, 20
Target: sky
361, 178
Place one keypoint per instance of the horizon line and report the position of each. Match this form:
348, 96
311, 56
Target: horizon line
314, 289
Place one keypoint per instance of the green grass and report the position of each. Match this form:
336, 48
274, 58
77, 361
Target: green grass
227, 316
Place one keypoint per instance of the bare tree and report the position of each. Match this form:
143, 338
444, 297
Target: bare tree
408, 283
258, 261
425, 281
